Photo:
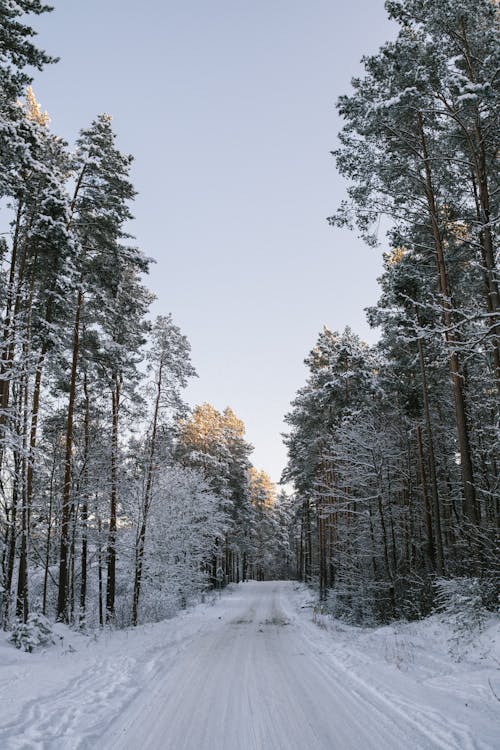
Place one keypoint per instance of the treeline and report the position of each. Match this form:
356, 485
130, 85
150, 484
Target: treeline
394, 450
116, 504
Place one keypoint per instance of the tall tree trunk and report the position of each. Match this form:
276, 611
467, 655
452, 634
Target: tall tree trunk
62, 596
477, 151
27, 490
111, 554
99, 571
431, 456
17, 496
10, 553
141, 540
85, 507
309, 551
427, 508
49, 532
457, 377
22, 608
8, 333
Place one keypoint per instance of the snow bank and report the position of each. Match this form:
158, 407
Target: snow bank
449, 685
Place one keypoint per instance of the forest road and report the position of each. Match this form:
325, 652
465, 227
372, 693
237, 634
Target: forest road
260, 679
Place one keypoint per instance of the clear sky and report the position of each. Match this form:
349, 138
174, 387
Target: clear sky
228, 107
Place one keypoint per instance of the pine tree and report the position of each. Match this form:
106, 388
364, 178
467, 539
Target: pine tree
403, 156
262, 497
103, 263
339, 382
214, 443
39, 259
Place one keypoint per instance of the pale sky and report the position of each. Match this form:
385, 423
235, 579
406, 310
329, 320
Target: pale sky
228, 107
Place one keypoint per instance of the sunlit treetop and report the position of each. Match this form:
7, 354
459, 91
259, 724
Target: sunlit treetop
396, 255
34, 110
262, 489
207, 427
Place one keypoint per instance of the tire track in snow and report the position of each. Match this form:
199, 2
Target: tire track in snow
251, 673
260, 682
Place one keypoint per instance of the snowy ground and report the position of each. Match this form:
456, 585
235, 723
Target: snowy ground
253, 671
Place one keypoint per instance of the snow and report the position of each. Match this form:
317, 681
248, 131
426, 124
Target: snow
256, 669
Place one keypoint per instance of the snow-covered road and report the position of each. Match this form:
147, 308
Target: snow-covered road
259, 682
252, 672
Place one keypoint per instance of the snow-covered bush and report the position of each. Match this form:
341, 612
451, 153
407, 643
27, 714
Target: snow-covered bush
37, 631
185, 522
462, 602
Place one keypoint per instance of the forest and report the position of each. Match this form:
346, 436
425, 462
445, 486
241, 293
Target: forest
119, 504
394, 449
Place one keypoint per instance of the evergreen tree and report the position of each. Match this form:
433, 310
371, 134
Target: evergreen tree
35, 288
262, 497
214, 443
104, 268
403, 156
339, 383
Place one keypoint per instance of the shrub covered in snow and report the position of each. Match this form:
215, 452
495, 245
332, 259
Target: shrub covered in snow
465, 603
37, 631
